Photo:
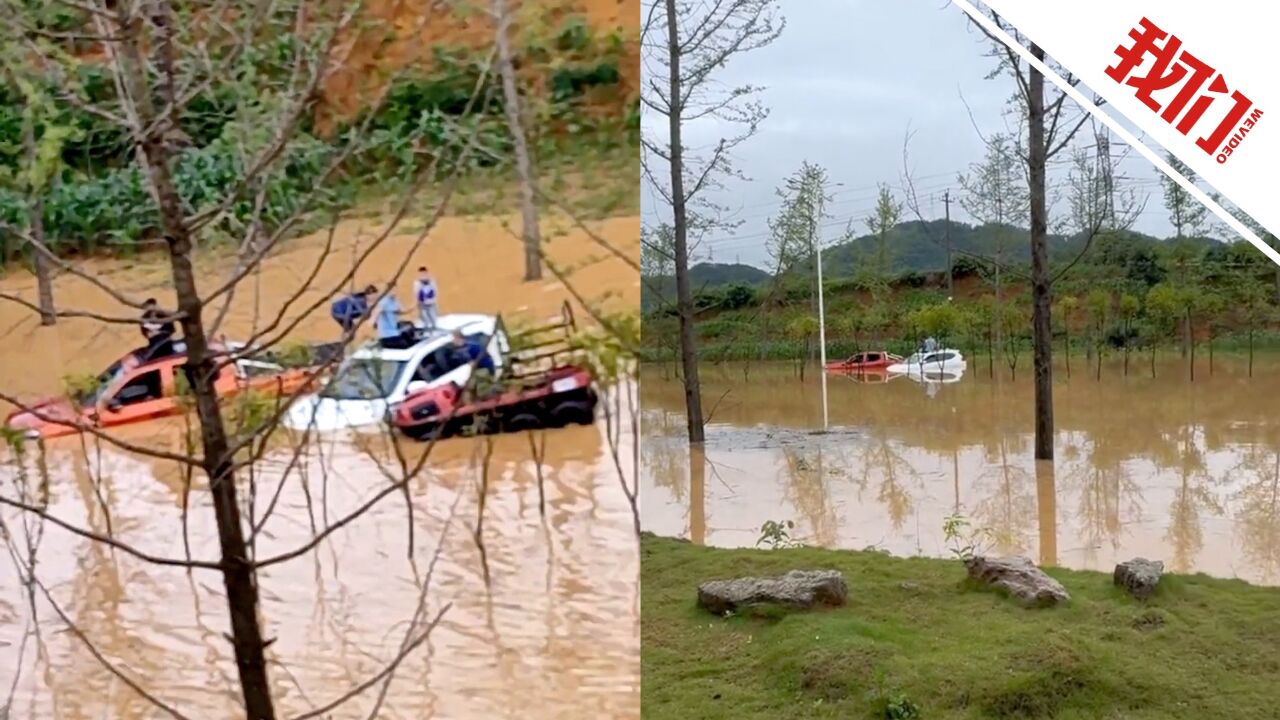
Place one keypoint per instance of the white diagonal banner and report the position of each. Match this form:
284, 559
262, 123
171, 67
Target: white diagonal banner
1194, 76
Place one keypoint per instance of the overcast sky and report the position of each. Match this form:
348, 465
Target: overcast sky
844, 83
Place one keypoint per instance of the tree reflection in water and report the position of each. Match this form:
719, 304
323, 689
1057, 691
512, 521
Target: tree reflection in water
1144, 465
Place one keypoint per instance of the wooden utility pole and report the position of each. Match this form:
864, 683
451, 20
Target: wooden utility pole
946, 202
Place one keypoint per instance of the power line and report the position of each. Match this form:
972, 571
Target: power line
752, 239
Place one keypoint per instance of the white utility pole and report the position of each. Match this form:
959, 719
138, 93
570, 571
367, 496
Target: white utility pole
822, 320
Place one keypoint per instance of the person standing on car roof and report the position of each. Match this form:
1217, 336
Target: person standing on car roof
386, 319
157, 328
424, 291
348, 309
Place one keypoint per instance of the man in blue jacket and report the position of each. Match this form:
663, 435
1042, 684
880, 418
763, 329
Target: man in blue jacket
471, 351
348, 309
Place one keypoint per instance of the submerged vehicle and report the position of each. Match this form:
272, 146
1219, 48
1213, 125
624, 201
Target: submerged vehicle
542, 388
872, 360
368, 385
945, 360
559, 397
140, 387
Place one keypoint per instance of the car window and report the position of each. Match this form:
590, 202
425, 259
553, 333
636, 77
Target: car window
142, 388
872, 357
89, 397
364, 379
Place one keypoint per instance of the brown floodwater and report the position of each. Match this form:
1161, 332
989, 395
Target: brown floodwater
553, 632
1180, 471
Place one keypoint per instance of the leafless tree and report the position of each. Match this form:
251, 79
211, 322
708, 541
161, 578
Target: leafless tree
994, 193
684, 43
1051, 124
159, 56
1185, 212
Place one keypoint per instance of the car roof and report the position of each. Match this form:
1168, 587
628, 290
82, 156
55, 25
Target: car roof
445, 325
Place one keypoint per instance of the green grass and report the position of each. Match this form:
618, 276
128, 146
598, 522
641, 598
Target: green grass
915, 634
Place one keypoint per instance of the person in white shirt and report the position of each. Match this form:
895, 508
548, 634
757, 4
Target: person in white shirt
424, 291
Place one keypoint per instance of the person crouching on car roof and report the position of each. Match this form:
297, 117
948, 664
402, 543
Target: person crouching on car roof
348, 309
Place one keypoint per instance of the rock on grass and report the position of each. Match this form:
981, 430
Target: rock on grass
1019, 577
1139, 576
802, 589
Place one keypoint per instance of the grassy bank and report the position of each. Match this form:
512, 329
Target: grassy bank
914, 637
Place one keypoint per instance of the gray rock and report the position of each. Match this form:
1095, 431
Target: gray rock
1139, 576
797, 589
1019, 576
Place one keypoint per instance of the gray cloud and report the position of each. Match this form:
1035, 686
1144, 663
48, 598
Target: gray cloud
844, 83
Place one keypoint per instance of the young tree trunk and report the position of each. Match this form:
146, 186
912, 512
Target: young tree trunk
684, 299
1041, 328
238, 574
1126, 349
1066, 346
1186, 334
1191, 342
1153, 361
804, 358
524, 167
44, 273
1098, 376
991, 355
44, 279
1251, 350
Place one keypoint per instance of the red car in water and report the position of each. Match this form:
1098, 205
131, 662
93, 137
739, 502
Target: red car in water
138, 387
871, 360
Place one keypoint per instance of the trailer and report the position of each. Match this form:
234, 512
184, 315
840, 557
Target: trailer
543, 385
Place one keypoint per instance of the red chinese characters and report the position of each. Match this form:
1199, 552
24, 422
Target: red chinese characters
1174, 67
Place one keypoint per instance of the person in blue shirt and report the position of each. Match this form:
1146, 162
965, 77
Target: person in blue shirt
348, 309
471, 351
424, 291
386, 321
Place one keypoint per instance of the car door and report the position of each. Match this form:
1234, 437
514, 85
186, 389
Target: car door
140, 396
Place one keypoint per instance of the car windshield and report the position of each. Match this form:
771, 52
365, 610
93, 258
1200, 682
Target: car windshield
913, 360
364, 379
89, 396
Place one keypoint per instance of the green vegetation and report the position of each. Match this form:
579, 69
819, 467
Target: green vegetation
916, 641
1128, 293
94, 197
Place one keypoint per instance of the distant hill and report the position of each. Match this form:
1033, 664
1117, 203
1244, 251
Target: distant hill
920, 247
702, 276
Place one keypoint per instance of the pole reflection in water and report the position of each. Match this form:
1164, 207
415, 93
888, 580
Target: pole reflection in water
1153, 467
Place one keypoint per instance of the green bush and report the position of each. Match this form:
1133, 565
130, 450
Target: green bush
99, 199
738, 295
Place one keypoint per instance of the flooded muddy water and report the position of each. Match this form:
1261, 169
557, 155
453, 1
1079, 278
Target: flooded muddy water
1184, 472
551, 632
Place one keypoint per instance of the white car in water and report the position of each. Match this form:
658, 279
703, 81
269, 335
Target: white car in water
926, 363
368, 384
